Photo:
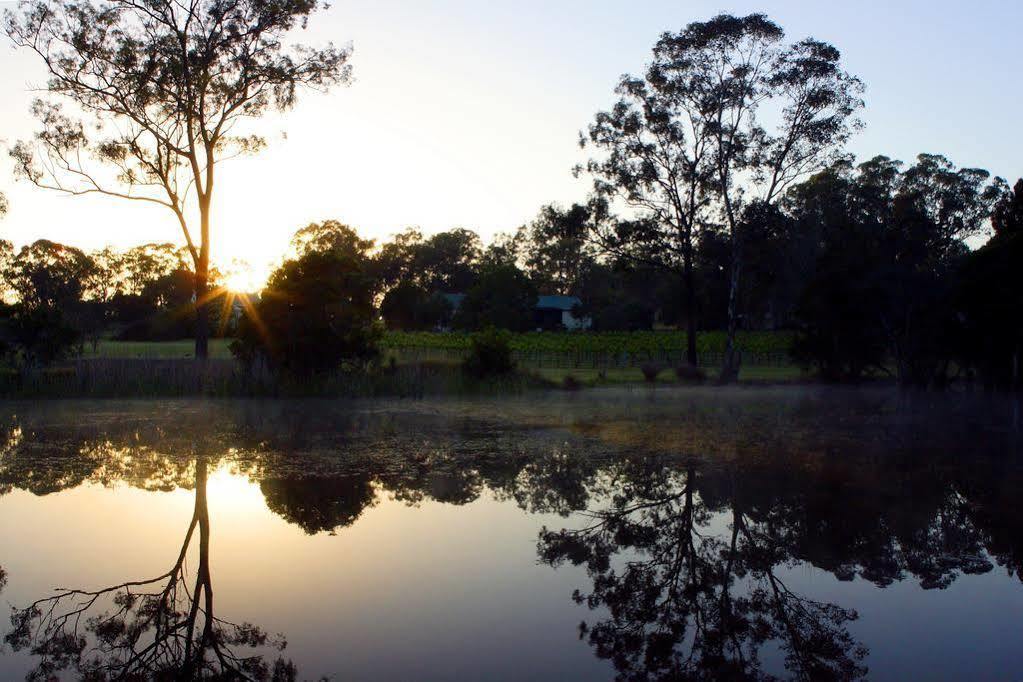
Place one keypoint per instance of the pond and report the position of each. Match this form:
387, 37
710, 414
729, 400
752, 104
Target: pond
802, 533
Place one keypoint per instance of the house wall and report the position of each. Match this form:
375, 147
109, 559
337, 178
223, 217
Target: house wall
571, 322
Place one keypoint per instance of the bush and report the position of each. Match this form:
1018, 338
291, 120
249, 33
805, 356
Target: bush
490, 353
651, 372
316, 314
43, 334
690, 374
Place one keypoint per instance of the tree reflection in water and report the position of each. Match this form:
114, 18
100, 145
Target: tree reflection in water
686, 602
162, 628
693, 523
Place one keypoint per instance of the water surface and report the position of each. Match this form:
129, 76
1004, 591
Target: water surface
790, 533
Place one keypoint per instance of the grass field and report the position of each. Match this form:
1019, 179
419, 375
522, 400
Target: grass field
155, 349
776, 372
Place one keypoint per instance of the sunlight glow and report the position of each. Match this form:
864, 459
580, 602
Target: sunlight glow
241, 278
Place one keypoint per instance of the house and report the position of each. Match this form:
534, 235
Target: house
555, 312
551, 312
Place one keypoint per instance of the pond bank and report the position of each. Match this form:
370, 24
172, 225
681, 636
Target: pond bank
221, 377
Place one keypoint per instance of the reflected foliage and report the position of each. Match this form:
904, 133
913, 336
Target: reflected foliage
689, 518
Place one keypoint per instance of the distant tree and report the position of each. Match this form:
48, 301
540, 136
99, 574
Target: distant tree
615, 297
4, 205
320, 504
1007, 216
315, 314
888, 245
52, 275
43, 334
504, 297
506, 249
6, 271
333, 236
988, 301
447, 261
163, 87
722, 73
653, 157
557, 247
410, 307
146, 263
935, 208
396, 260
844, 287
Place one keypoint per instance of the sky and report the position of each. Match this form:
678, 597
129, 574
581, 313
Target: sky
467, 114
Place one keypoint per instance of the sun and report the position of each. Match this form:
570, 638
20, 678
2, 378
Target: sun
241, 278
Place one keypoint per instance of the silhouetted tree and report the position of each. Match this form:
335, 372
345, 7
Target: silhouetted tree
616, 296
843, 283
724, 71
557, 248
989, 302
50, 281
409, 306
315, 313
320, 504
504, 297
655, 158
887, 243
333, 236
163, 86
447, 261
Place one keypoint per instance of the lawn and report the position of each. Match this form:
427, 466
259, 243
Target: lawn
549, 363
155, 349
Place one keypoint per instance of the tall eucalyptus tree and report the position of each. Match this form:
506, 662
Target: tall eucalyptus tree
145, 97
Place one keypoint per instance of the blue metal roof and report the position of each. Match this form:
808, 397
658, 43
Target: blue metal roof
558, 302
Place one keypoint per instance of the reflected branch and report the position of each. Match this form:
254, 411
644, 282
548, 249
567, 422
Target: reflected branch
160, 628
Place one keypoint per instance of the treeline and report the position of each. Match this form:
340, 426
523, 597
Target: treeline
58, 298
869, 265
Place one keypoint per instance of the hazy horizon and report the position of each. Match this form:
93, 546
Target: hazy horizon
468, 116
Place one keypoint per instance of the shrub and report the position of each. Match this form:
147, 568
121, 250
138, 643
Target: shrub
490, 353
43, 334
651, 372
690, 374
316, 314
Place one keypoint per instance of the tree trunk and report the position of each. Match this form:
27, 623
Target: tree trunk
731, 360
202, 285
202, 313
691, 357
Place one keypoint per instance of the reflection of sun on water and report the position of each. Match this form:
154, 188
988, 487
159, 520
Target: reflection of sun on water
228, 489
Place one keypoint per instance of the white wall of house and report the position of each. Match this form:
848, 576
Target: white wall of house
571, 322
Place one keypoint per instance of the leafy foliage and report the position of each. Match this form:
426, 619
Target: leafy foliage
490, 353
315, 314
504, 297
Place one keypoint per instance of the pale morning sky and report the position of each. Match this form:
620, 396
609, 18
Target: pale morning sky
467, 113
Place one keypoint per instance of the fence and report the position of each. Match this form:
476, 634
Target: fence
594, 359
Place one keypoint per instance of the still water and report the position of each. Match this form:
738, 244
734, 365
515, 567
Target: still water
631, 534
